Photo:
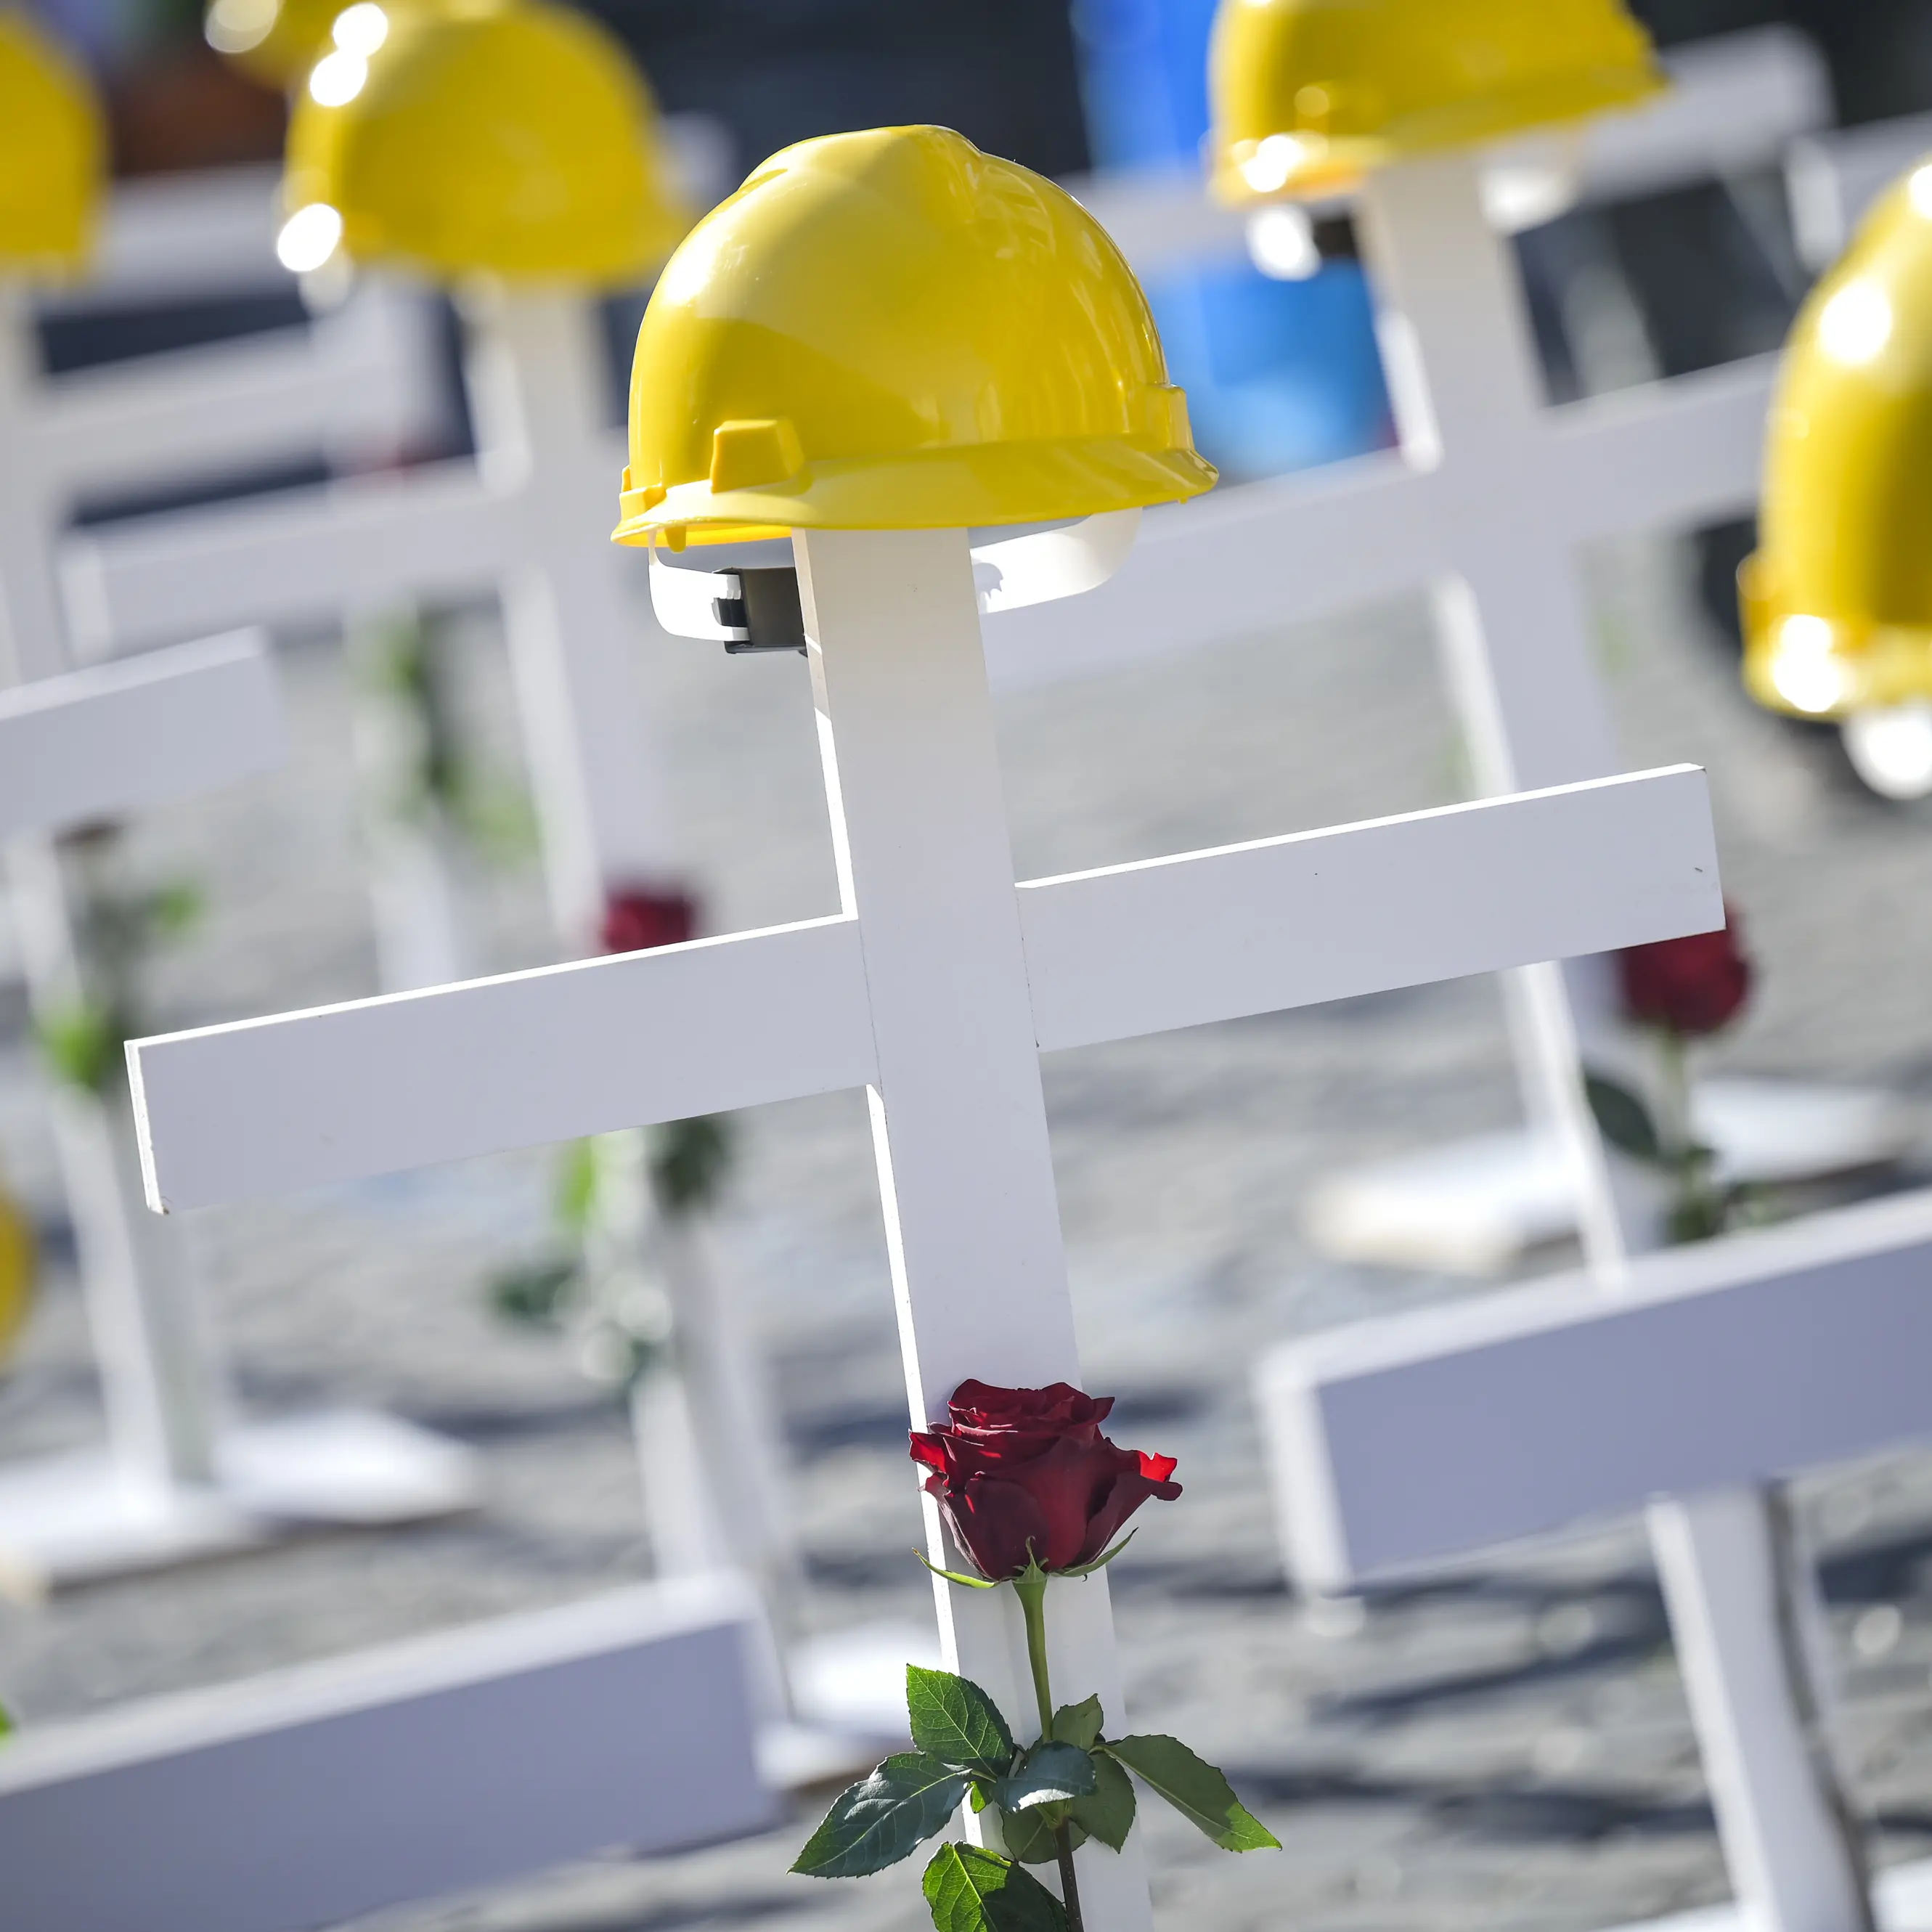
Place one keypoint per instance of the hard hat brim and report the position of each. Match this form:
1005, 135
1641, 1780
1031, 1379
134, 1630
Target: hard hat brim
938, 489
1337, 162
1869, 664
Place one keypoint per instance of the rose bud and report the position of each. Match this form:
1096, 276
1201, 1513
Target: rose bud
636, 921
1694, 986
1022, 1472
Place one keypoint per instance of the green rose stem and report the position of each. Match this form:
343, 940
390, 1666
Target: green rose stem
1699, 1209
1030, 1586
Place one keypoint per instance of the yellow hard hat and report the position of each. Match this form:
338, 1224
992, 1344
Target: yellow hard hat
1309, 94
891, 331
276, 41
1837, 601
501, 137
16, 1273
52, 153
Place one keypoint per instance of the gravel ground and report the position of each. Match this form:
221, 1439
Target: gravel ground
1506, 1748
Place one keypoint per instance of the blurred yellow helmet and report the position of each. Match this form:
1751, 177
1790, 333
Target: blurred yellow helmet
275, 40
891, 331
16, 1274
503, 137
1309, 94
53, 154
1837, 601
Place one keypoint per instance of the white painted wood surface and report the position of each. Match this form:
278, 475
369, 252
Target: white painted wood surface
430, 1766
966, 1182
266, 1106
98, 743
1258, 556
927, 988
1517, 486
1834, 178
1437, 1434
529, 519
171, 417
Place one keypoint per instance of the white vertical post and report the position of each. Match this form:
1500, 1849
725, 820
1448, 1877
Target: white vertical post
534, 372
419, 939
1517, 638
958, 1121
578, 643
159, 1384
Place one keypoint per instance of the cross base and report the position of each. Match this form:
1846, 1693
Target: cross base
1478, 1206
1902, 1898
73, 1520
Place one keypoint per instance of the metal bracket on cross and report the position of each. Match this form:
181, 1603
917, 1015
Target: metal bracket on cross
177, 1481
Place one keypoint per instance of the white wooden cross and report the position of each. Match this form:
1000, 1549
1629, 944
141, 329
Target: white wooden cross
529, 519
1401, 1443
1486, 505
935, 987
431, 1766
177, 1480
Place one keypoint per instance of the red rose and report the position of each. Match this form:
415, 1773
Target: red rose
1694, 986
1027, 1470
635, 922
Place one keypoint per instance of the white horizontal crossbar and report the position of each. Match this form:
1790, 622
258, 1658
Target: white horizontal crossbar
1401, 1442
271, 1105
443, 529
1402, 902
1260, 556
438, 529
96, 743
444, 1763
196, 411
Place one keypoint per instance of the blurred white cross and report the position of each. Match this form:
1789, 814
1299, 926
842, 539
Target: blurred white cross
1486, 505
177, 1480
417, 1770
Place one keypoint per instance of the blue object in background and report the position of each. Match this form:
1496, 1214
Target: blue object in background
1279, 375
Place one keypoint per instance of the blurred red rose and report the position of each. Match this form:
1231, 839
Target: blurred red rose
1694, 986
635, 922
1021, 1470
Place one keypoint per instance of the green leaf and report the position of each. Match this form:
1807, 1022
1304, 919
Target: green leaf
6, 1723
1623, 1120
1029, 1834
1107, 1812
1196, 1789
175, 909
1101, 1561
1079, 1724
82, 1043
877, 1821
953, 1720
576, 1196
538, 1295
689, 1160
971, 1890
959, 1576
1051, 1771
